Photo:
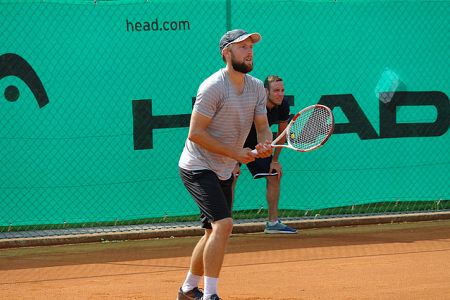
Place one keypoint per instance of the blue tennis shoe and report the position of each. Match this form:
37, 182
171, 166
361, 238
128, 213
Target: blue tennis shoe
279, 227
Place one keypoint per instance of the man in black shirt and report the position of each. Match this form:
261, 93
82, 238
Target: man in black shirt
270, 167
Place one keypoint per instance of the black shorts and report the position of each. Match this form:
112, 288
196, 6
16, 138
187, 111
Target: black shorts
260, 168
213, 196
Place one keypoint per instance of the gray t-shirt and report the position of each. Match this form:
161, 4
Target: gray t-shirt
231, 116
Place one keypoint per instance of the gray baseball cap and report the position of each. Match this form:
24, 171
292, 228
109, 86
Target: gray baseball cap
236, 36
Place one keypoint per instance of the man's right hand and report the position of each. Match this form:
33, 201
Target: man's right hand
263, 149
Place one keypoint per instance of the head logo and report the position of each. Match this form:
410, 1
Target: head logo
13, 65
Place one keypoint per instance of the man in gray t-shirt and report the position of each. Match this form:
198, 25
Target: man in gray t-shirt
231, 117
227, 104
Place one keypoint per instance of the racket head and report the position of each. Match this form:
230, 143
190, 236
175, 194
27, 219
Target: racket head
310, 128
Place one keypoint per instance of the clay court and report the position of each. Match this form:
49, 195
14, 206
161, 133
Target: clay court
389, 261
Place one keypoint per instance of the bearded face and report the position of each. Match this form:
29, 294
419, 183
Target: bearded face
242, 56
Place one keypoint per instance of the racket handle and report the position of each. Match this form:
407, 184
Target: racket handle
254, 151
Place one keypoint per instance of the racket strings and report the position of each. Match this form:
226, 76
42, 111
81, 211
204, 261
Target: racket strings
310, 128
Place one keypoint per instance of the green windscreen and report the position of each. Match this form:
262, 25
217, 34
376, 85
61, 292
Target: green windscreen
96, 96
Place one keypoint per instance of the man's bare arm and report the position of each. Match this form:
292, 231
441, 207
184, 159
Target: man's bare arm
199, 135
281, 127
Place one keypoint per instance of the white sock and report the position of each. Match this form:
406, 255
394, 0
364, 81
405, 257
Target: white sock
210, 287
191, 282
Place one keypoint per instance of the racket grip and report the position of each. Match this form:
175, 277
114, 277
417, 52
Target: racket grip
254, 151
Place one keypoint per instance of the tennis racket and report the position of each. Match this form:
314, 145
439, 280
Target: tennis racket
308, 130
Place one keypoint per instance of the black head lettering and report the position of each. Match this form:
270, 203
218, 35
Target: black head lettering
13, 65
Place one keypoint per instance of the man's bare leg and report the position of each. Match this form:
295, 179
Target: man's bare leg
214, 253
273, 196
215, 246
196, 266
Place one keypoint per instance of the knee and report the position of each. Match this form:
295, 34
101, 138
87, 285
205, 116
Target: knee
223, 227
207, 234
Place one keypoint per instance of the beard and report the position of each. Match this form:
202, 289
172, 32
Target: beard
241, 66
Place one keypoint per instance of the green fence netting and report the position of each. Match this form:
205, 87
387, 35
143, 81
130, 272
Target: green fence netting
96, 98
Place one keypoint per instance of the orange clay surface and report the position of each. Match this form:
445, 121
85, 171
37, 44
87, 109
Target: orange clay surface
393, 261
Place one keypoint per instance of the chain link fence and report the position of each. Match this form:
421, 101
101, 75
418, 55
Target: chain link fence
97, 95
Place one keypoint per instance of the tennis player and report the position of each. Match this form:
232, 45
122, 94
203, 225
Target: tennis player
270, 167
228, 103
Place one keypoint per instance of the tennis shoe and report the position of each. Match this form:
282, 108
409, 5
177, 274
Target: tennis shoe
279, 227
214, 297
194, 294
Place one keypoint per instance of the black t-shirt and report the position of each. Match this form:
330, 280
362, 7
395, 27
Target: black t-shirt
276, 115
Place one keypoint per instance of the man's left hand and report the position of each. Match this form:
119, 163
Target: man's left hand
263, 149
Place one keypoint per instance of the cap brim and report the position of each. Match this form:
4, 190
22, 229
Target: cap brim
256, 37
